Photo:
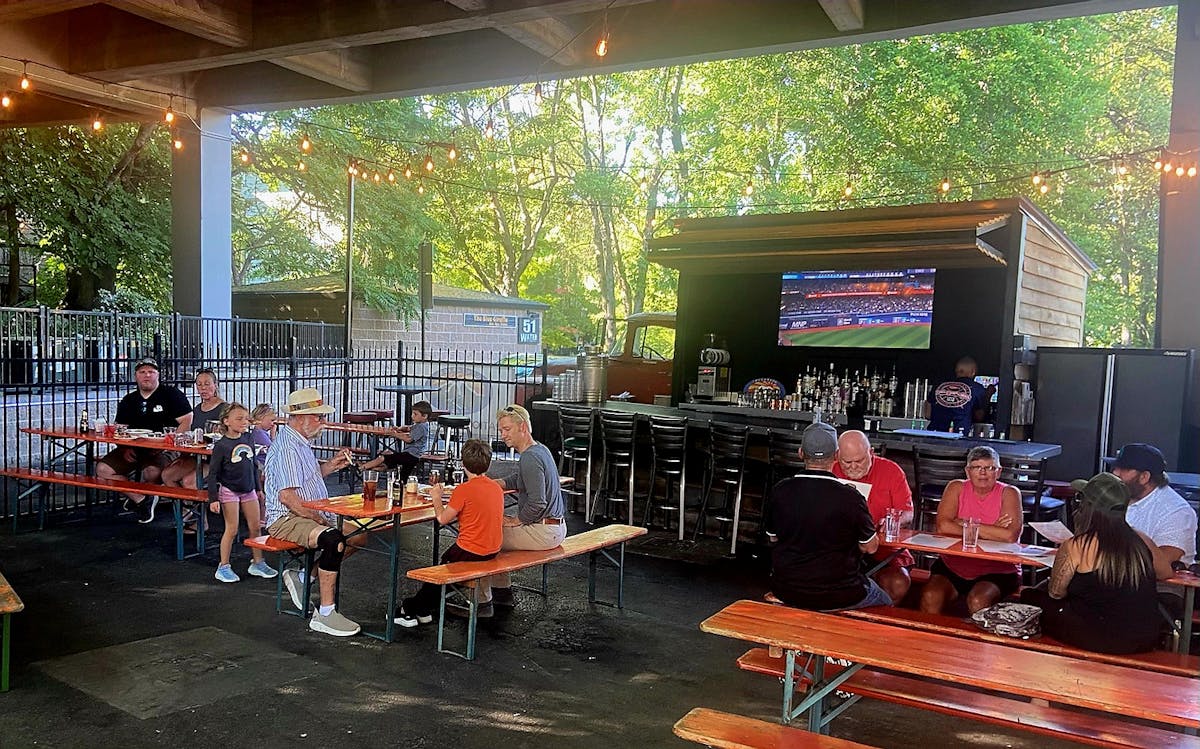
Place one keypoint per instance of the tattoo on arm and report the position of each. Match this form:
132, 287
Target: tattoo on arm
1061, 574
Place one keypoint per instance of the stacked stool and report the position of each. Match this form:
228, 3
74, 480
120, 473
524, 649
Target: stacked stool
458, 431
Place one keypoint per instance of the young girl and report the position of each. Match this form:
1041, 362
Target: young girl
233, 481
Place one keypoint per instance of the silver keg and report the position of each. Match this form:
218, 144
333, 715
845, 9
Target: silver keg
593, 375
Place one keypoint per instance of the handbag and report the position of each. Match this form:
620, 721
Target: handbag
1010, 619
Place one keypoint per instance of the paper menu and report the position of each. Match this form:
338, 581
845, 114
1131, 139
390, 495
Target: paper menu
861, 487
1053, 530
937, 542
1000, 547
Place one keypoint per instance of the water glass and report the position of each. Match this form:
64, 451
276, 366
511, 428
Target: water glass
891, 525
459, 476
970, 531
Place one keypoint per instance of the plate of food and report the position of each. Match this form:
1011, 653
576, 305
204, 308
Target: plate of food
135, 433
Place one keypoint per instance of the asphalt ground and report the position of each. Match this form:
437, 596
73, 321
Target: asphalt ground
121, 645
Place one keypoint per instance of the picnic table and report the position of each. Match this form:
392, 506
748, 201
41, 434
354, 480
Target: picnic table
1115, 690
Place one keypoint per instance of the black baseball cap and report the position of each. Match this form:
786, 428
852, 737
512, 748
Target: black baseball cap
1139, 456
148, 361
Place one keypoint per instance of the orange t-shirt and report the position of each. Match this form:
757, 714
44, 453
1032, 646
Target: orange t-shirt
480, 506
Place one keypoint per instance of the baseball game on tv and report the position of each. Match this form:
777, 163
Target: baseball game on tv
857, 309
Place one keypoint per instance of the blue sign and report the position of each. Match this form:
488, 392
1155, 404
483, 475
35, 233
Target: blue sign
472, 320
530, 330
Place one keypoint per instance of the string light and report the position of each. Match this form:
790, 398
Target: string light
97, 124
376, 177
945, 186
301, 166
421, 189
178, 144
569, 216
748, 190
408, 172
1158, 165
848, 190
245, 157
489, 130
644, 184
1037, 178
1179, 171
169, 116
1191, 172
5, 100
452, 154
1044, 187
428, 162
26, 85
602, 42
1168, 167
305, 144
1122, 168
537, 92
391, 177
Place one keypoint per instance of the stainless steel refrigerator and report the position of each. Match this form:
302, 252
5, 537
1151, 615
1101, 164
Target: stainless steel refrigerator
1092, 401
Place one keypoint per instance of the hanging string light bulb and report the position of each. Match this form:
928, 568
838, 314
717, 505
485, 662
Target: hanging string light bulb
1122, 168
452, 153
1191, 170
244, 156
602, 42
748, 190
178, 143
644, 184
376, 177
428, 162
1044, 187
305, 144
301, 166
169, 115
1037, 178
421, 189
489, 130
26, 84
945, 186
353, 168
537, 92
408, 172
848, 190
391, 177
6, 100
1168, 167
1158, 165
97, 124
1179, 171
569, 216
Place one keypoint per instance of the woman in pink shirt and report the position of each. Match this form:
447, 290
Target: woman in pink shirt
997, 508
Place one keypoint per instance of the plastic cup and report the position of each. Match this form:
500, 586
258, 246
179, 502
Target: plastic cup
110, 431
370, 482
970, 531
891, 525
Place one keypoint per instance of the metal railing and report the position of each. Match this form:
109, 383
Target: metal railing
53, 364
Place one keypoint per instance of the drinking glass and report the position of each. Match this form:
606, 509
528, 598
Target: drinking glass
370, 482
891, 524
459, 476
970, 538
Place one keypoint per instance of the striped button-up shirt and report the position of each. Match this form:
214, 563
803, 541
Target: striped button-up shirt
291, 464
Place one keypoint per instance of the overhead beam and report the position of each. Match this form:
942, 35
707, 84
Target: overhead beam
344, 68
846, 15
12, 11
222, 21
284, 28
552, 38
97, 96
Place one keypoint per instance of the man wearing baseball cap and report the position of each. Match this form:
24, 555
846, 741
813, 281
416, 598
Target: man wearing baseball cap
1155, 509
152, 406
821, 528
293, 476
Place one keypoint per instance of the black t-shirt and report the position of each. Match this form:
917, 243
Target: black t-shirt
162, 409
820, 522
954, 402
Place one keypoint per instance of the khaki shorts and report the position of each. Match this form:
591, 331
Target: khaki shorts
294, 528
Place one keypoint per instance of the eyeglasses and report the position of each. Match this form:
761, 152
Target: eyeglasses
983, 469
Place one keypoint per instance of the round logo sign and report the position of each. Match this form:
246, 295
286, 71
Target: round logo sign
952, 394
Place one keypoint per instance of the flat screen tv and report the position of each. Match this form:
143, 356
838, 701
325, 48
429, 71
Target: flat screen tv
857, 309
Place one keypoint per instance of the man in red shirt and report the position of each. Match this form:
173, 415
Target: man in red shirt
889, 490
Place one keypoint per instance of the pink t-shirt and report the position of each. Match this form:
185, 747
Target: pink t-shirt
986, 510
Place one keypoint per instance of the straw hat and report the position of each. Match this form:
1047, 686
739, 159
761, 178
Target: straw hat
306, 401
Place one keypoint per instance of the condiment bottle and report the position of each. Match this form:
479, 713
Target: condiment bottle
410, 490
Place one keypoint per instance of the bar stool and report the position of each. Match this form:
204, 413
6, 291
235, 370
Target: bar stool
458, 431
576, 426
783, 449
933, 468
617, 433
727, 467
669, 446
382, 416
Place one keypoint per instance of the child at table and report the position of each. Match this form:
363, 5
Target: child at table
478, 505
416, 443
233, 482
263, 418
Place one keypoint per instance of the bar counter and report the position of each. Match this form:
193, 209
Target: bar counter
761, 420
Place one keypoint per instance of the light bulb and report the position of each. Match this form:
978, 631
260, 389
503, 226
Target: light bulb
408, 172
5, 101
1191, 172
537, 92
25, 84
1167, 166
602, 46
452, 154
97, 124
376, 177
301, 165
1045, 188
178, 144
1122, 169
245, 157
1179, 170
1158, 165
848, 190
748, 189
489, 130
305, 144
391, 176
352, 169
420, 189
429, 163
569, 216
1037, 178
945, 184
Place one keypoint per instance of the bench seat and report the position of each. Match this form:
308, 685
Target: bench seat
10, 603
1084, 727
1159, 660
594, 542
727, 731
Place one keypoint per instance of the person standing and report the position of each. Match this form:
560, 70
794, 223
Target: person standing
233, 483
540, 521
889, 492
821, 528
956, 404
151, 406
293, 476
997, 508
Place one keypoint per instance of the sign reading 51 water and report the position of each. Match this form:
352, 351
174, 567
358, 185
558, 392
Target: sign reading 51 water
530, 329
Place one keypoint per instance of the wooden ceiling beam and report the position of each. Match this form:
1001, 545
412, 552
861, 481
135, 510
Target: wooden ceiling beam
344, 68
552, 38
225, 22
12, 11
284, 28
846, 15
96, 96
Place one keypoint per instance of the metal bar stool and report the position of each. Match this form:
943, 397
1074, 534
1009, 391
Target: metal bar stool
458, 431
576, 426
933, 468
727, 467
618, 431
669, 447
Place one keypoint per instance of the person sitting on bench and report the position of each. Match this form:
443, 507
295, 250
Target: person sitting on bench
416, 443
539, 523
292, 477
478, 505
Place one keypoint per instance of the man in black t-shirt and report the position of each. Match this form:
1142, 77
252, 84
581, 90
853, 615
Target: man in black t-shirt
822, 529
954, 405
152, 406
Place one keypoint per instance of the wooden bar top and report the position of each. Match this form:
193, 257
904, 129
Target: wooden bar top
1173, 700
353, 506
145, 443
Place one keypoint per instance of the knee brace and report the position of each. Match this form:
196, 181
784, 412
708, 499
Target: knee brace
333, 547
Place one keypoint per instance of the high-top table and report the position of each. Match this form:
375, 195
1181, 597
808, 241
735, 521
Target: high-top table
404, 392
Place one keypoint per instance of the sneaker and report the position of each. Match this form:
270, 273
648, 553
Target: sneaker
128, 505
485, 611
262, 569
189, 517
504, 597
405, 619
145, 510
226, 574
335, 624
291, 581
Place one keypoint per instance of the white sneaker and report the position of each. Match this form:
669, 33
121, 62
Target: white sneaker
291, 581
334, 624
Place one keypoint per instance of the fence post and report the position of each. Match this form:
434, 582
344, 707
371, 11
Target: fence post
293, 365
43, 344
235, 343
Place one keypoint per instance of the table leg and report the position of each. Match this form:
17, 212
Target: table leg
394, 571
437, 540
4, 653
1189, 609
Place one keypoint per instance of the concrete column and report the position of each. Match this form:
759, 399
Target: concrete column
1178, 314
201, 190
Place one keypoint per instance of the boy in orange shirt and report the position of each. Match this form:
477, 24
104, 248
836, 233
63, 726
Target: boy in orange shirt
478, 504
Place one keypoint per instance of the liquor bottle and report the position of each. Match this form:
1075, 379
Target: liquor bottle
84, 425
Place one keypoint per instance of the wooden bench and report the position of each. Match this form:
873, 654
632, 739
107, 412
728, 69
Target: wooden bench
594, 543
1159, 660
727, 731
10, 604
177, 495
1084, 727
302, 557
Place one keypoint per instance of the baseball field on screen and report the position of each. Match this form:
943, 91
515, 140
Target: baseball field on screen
875, 336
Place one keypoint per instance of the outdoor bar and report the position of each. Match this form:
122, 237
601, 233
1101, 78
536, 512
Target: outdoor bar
565, 373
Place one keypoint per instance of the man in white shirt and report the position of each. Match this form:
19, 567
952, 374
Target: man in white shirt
1156, 509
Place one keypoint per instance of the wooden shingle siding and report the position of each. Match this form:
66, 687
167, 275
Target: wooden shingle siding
1050, 301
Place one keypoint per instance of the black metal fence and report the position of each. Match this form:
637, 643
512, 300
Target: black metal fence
53, 364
